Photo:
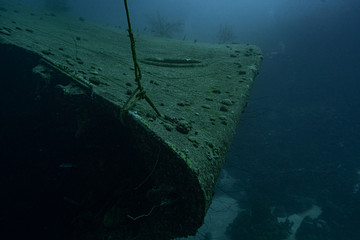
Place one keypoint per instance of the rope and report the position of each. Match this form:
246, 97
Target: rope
141, 92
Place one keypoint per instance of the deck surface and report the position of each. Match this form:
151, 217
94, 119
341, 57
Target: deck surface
200, 89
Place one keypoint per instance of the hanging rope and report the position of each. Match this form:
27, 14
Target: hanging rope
139, 93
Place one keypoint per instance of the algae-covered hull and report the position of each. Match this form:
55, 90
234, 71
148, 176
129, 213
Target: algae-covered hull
84, 173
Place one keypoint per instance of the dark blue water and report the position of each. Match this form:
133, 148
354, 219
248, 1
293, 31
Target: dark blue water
298, 143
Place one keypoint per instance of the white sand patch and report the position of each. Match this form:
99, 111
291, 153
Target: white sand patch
221, 213
226, 182
296, 219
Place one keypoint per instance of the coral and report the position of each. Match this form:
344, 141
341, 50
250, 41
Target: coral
57, 5
160, 26
225, 34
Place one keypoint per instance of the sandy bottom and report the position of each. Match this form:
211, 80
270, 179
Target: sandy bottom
296, 219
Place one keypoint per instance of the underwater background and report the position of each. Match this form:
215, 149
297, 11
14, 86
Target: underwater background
295, 158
